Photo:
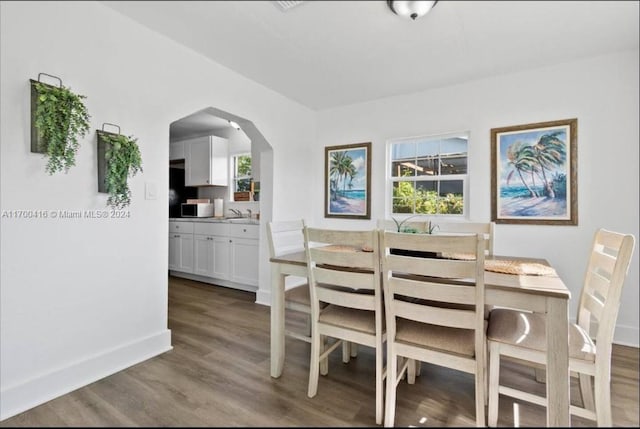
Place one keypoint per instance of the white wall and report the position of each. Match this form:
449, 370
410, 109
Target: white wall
601, 92
83, 298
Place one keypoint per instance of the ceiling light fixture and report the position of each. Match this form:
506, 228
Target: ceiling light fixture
234, 125
411, 9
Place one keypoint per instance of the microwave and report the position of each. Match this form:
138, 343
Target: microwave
196, 210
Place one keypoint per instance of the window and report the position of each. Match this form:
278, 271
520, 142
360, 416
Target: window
428, 175
241, 173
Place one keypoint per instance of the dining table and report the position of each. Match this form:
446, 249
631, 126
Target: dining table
546, 294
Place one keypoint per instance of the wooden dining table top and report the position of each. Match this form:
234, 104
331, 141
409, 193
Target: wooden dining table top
546, 285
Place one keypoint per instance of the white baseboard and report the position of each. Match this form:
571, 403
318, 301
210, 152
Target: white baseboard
263, 297
627, 336
40, 389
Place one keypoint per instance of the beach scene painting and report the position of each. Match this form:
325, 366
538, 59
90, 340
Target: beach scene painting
347, 181
534, 173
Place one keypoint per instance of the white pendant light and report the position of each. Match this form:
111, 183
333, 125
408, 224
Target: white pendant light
411, 9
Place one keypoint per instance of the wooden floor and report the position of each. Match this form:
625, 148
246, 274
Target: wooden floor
218, 375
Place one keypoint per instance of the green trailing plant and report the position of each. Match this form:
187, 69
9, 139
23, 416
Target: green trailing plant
61, 119
430, 226
123, 160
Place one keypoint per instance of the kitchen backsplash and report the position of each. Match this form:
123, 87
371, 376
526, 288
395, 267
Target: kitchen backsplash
213, 192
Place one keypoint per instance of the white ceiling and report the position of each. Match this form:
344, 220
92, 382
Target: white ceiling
330, 53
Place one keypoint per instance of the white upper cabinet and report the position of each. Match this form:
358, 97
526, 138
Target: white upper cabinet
206, 161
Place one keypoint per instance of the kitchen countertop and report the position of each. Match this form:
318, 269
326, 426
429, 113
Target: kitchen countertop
242, 221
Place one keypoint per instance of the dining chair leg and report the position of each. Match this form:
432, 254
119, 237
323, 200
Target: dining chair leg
481, 420
354, 350
379, 385
494, 379
411, 371
486, 374
390, 401
603, 399
346, 351
324, 363
314, 365
586, 391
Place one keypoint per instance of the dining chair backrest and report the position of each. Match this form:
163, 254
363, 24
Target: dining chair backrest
484, 228
285, 237
600, 297
339, 269
434, 307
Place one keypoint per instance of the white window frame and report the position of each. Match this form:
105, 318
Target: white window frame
232, 169
389, 179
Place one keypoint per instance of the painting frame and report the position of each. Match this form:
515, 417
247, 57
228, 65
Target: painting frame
552, 159
340, 171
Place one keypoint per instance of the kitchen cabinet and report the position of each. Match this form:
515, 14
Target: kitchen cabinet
176, 150
181, 252
211, 256
206, 161
215, 252
244, 250
181, 246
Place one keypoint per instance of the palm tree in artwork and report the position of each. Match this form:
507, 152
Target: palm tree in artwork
341, 168
549, 152
522, 158
336, 169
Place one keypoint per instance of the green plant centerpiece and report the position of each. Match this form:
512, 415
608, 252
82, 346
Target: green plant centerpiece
60, 120
122, 159
430, 227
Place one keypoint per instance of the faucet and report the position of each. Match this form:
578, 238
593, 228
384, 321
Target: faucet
249, 213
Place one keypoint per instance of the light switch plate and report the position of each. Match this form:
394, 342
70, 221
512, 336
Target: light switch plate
150, 191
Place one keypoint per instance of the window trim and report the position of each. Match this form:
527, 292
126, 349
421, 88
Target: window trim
389, 179
232, 173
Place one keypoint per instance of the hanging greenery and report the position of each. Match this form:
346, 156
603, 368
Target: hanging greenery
123, 160
61, 119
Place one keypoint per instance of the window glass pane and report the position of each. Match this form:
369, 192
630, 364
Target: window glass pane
453, 164
403, 197
403, 168
451, 199
428, 166
403, 157
428, 148
243, 165
243, 185
426, 197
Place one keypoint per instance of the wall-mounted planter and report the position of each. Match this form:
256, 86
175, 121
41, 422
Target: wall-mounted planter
59, 119
118, 159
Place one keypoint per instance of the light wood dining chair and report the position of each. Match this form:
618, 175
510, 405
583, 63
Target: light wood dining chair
288, 237
487, 229
419, 331
344, 275
521, 335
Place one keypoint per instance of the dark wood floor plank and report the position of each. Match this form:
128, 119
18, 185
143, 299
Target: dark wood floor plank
218, 375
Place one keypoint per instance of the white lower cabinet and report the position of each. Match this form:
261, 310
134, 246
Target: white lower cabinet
244, 253
244, 261
218, 251
181, 252
211, 256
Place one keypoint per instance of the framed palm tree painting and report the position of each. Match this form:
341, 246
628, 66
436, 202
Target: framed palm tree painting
534, 173
347, 181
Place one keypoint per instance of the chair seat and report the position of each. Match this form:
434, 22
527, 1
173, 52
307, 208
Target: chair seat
298, 294
359, 320
528, 330
454, 340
